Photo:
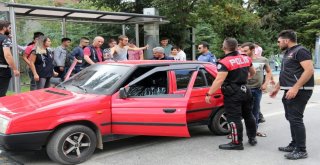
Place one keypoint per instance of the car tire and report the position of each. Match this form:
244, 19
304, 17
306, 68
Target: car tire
65, 147
218, 123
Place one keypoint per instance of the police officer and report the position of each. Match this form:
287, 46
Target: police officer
297, 80
6, 59
233, 71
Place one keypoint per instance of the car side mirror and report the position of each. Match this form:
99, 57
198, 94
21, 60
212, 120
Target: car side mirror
123, 93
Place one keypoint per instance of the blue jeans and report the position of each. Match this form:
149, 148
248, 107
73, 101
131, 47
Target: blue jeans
256, 97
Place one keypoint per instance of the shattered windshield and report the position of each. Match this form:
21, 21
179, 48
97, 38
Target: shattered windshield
97, 79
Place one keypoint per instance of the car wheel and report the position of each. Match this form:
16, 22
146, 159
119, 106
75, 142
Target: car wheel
72, 145
218, 123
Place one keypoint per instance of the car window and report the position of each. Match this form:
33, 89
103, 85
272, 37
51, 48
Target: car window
96, 79
209, 77
182, 78
200, 81
155, 84
203, 79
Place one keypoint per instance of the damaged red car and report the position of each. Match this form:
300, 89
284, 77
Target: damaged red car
110, 101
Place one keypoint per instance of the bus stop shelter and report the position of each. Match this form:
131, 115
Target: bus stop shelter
66, 15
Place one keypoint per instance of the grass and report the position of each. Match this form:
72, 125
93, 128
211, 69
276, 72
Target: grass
24, 88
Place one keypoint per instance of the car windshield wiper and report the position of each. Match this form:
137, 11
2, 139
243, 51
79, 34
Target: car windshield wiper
80, 87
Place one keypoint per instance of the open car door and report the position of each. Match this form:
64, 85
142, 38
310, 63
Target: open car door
138, 110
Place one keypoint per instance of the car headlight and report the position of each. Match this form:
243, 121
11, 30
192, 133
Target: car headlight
3, 125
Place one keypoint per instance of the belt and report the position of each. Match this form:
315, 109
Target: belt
4, 66
302, 88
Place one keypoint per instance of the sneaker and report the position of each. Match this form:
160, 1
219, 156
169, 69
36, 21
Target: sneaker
231, 146
261, 120
288, 148
252, 141
294, 155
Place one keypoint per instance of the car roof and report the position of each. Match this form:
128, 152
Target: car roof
153, 62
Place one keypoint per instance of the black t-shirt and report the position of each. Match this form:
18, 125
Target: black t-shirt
5, 42
43, 64
291, 69
164, 58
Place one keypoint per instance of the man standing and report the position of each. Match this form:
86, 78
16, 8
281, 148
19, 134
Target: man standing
297, 81
233, 71
107, 51
6, 59
206, 55
158, 54
60, 57
93, 53
181, 53
256, 83
164, 43
26, 57
77, 53
120, 51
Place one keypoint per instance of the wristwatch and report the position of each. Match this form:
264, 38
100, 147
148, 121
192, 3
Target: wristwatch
207, 94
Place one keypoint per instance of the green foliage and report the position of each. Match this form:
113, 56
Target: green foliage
251, 20
309, 17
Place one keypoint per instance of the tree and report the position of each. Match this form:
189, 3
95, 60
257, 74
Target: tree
309, 21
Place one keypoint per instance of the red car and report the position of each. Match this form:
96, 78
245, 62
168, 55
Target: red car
110, 101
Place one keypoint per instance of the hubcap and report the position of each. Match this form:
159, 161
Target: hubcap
75, 144
224, 123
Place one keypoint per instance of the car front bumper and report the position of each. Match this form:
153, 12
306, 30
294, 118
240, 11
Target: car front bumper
24, 141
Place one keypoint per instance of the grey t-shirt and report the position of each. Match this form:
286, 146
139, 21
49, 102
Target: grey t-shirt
120, 54
259, 64
60, 55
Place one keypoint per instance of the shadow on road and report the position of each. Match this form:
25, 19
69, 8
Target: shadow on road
110, 148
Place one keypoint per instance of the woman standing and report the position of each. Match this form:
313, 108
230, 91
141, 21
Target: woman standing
41, 63
134, 54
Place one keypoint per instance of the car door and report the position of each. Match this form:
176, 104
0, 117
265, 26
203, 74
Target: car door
198, 110
161, 114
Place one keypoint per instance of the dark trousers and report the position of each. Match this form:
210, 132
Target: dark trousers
256, 97
4, 85
43, 83
33, 85
61, 74
294, 109
238, 106
77, 69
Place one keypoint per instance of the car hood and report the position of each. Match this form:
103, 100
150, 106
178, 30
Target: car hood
50, 98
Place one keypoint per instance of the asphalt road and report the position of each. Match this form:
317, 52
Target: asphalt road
202, 147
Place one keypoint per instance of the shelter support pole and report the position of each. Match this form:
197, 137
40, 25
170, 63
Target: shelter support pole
64, 27
137, 35
123, 29
16, 80
193, 44
317, 53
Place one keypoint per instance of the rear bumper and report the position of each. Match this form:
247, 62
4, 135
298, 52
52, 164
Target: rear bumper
24, 141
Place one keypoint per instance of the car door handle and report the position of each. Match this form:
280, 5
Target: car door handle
217, 96
169, 110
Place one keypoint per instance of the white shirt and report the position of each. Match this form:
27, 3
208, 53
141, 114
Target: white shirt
180, 56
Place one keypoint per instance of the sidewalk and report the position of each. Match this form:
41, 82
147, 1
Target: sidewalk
316, 76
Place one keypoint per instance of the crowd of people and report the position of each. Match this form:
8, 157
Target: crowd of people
243, 74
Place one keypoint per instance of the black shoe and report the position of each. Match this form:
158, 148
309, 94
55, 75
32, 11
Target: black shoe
289, 148
252, 141
231, 146
261, 120
294, 155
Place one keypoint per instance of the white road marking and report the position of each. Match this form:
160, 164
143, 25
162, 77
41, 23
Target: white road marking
282, 110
